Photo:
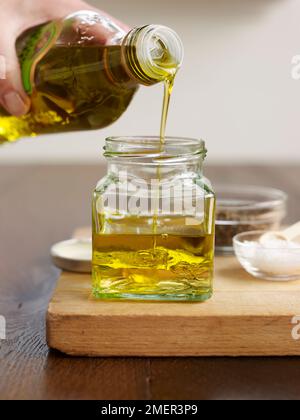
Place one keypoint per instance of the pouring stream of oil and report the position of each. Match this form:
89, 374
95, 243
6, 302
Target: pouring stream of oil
168, 88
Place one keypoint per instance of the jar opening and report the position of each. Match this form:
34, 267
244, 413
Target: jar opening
141, 150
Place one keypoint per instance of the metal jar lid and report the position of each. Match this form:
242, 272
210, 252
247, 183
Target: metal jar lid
73, 255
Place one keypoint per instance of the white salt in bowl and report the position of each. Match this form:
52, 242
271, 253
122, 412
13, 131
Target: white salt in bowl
275, 261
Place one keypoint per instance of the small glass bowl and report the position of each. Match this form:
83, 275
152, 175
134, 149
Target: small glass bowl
269, 263
245, 208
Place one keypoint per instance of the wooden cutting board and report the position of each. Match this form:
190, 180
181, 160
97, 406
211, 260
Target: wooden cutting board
245, 317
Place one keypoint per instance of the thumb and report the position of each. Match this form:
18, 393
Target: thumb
12, 95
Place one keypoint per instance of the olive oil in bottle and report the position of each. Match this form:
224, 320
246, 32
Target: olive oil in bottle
82, 72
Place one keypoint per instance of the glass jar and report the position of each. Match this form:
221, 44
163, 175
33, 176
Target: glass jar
153, 221
246, 208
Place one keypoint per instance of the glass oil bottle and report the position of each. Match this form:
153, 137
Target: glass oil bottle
82, 72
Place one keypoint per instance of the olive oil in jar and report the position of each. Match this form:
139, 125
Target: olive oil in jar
146, 250
146, 266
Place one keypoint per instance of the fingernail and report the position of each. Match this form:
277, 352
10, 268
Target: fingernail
15, 104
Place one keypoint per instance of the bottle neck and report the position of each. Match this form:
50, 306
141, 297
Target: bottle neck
152, 53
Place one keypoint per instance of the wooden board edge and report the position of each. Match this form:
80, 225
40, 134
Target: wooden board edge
76, 336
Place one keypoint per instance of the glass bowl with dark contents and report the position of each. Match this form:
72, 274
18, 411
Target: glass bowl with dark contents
244, 208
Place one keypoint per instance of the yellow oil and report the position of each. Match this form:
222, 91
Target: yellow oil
75, 88
146, 266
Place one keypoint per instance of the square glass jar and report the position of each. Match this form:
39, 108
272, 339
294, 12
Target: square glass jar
153, 222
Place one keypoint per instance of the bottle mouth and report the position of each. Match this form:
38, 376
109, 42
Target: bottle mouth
147, 150
157, 52
161, 50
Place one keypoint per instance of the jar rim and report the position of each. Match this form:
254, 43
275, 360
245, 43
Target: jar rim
147, 149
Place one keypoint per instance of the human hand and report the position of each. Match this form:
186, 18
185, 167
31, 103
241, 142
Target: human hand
16, 17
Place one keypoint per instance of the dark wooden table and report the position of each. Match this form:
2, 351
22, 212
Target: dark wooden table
42, 205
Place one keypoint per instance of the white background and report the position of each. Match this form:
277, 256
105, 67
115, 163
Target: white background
235, 89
